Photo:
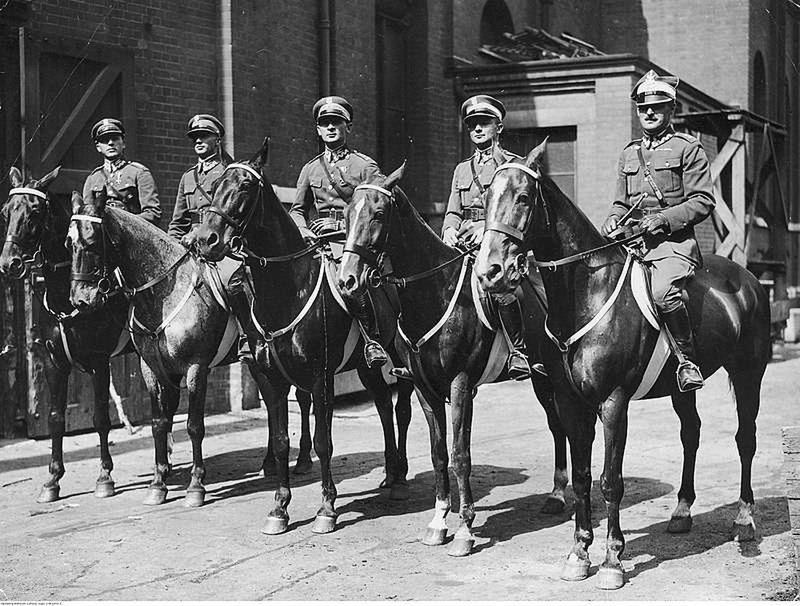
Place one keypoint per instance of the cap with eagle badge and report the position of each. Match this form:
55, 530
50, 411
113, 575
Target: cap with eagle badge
482, 105
107, 126
204, 123
333, 106
652, 89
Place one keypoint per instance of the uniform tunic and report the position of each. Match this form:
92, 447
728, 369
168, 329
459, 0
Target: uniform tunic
127, 184
464, 192
679, 166
316, 193
195, 191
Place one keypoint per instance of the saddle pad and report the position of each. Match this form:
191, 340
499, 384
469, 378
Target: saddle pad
661, 351
355, 332
217, 275
230, 339
497, 359
122, 342
479, 299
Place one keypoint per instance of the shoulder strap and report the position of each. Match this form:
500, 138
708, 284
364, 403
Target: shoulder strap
649, 177
475, 179
197, 185
336, 186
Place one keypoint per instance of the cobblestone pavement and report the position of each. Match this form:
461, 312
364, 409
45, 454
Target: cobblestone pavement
83, 548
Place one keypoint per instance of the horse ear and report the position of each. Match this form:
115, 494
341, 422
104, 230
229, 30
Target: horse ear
77, 202
534, 159
15, 175
392, 179
261, 156
47, 179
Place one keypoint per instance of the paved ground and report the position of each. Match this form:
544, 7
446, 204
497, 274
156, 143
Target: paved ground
83, 548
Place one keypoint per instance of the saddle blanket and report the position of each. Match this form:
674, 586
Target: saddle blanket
499, 351
661, 351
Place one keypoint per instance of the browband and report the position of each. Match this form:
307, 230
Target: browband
521, 167
27, 190
88, 218
383, 190
246, 167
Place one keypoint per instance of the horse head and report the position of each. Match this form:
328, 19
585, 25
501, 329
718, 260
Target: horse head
368, 218
25, 215
238, 195
514, 204
92, 262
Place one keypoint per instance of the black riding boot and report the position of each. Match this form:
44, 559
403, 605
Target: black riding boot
374, 353
511, 318
240, 305
689, 376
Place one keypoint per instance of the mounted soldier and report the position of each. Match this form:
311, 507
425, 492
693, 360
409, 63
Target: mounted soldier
128, 184
324, 189
465, 217
664, 180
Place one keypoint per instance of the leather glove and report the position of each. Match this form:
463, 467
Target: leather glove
308, 235
475, 236
450, 236
654, 224
609, 225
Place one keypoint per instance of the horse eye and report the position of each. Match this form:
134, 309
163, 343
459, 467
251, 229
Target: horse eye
523, 198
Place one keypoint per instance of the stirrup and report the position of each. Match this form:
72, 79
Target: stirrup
539, 368
518, 367
689, 376
401, 372
374, 354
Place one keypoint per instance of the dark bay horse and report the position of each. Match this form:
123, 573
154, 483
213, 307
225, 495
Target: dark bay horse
601, 345
441, 337
296, 310
36, 225
177, 321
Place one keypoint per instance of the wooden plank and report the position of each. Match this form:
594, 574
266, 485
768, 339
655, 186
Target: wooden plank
79, 116
724, 156
738, 192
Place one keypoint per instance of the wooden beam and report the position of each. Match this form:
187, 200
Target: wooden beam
738, 189
727, 152
79, 116
725, 215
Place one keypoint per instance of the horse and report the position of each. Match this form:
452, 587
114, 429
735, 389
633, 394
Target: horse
600, 344
36, 225
442, 337
298, 311
178, 320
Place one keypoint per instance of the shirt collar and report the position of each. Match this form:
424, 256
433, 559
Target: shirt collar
482, 156
113, 166
334, 155
206, 165
653, 142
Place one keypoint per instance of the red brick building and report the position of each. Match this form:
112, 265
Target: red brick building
406, 65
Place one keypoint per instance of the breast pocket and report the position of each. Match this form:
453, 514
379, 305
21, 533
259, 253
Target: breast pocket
667, 173
315, 183
632, 177
468, 197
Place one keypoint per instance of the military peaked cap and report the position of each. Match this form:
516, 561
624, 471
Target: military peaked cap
333, 106
652, 89
483, 105
205, 123
107, 126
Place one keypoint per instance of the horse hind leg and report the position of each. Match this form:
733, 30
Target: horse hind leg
685, 405
403, 417
56, 422
104, 486
556, 501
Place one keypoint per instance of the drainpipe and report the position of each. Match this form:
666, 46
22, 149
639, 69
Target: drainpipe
226, 73
324, 27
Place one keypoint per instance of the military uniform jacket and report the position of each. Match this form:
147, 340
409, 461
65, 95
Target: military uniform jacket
679, 166
195, 191
130, 185
464, 192
315, 192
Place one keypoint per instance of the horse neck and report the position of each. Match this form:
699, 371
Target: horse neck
143, 251
272, 232
55, 233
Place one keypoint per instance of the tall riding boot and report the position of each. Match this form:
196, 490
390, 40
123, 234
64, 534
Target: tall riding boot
240, 300
374, 353
511, 319
677, 321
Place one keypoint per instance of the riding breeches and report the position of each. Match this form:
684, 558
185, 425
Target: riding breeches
667, 279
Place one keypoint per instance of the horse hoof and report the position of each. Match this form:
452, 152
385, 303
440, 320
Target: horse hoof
434, 536
398, 492
302, 467
323, 524
575, 569
195, 497
460, 548
275, 525
610, 578
553, 505
104, 489
155, 496
49, 494
679, 525
744, 532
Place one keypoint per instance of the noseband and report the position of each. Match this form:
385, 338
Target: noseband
239, 227
371, 256
513, 232
99, 277
37, 260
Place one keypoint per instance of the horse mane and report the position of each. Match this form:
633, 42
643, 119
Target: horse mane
139, 228
550, 188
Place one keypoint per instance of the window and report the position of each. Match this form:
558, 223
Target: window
559, 162
495, 21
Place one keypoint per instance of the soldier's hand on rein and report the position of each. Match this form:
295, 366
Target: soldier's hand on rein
450, 236
308, 235
476, 236
654, 224
609, 225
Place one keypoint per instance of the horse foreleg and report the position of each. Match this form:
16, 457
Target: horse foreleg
461, 403
685, 405
325, 520
556, 501
747, 389
58, 377
163, 402
104, 486
402, 411
275, 397
196, 384
614, 414
436, 417
578, 421
372, 378
303, 464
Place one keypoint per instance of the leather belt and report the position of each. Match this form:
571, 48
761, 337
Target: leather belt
337, 214
474, 213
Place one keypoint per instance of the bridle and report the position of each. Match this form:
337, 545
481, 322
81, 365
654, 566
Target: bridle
239, 226
37, 260
99, 278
